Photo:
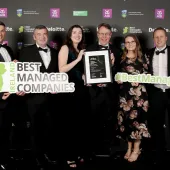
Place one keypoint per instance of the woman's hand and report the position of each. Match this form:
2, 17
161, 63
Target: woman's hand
81, 53
119, 82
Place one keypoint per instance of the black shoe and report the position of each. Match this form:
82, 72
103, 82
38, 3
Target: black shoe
3, 167
50, 160
17, 158
39, 164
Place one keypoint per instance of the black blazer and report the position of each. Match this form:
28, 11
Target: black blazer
31, 54
4, 103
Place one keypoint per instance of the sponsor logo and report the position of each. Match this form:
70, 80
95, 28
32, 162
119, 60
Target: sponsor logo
55, 12
80, 13
3, 12
107, 13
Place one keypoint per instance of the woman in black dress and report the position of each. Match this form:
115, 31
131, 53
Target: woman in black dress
133, 101
76, 105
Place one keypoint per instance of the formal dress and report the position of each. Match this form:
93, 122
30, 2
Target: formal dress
75, 114
133, 104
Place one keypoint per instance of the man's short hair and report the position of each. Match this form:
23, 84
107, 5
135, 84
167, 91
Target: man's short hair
39, 27
104, 25
1, 23
160, 28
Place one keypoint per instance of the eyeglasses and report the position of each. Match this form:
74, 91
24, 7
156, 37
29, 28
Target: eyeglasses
104, 34
128, 43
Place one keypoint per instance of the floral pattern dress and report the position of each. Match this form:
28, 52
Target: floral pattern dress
133, 104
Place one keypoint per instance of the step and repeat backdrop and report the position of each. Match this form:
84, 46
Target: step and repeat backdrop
125, 16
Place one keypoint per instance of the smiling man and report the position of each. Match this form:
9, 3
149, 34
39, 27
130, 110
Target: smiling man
159, 94
6, 101
37, 103
104, 97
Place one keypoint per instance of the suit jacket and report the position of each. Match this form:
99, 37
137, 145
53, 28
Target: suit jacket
5, 103
150, 54
112, 88
31, 54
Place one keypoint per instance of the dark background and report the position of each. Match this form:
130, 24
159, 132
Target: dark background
140, 15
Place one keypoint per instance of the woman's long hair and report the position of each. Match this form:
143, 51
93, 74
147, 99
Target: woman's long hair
137, 51
69, 42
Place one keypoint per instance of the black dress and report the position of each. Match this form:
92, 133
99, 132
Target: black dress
133, 104
76, 112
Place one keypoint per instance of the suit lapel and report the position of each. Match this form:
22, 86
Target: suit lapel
52, 58
151, 60
1, 58
168, 58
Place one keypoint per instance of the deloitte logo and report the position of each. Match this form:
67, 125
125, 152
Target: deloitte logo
27, 77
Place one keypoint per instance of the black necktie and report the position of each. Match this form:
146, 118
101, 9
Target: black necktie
103, 47
3, 45
162, 51
41, 49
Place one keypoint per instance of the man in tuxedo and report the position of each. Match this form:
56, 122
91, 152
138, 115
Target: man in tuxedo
7, 103
38, 104
104, 97
159, 94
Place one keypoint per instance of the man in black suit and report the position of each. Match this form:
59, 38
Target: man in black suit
38, 104
159, 94
104, 97
7, 103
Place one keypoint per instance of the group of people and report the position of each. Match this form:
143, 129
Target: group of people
70, 125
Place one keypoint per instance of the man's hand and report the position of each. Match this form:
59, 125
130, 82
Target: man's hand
101, 85
15, 61
112, 57
5, 95
53, 92
20, 93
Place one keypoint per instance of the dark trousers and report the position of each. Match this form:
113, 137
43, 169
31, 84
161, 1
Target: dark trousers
5, 129
104, 111
37, 109
159, 105
74, 123
12, 113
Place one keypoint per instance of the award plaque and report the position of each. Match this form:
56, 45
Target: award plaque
97, 66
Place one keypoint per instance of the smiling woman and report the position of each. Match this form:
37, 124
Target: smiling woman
77, 104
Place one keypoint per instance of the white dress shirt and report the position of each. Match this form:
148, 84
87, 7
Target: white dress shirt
4, 53
160, 67
46, 57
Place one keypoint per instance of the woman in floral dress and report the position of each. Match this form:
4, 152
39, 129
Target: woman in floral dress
133, 102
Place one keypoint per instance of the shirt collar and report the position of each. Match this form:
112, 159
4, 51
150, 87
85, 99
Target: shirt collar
41, 47
157, 49
107, 45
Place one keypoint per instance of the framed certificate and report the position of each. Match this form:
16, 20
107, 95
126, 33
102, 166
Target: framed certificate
97, 67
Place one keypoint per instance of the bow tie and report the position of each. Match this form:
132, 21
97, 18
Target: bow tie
41, 49
162, 51
103, 47
3, 45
